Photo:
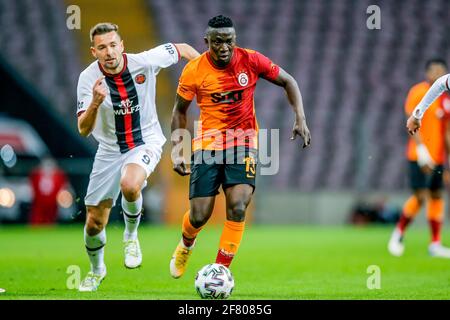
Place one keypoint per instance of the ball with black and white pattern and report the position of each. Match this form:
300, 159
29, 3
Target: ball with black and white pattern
214, 281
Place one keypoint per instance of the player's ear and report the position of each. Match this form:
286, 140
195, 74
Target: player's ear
93, 52
121, 45
206, 41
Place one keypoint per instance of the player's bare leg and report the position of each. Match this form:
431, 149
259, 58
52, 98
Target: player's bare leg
131, 182
95, 241
193, 221
411, 208
238, 198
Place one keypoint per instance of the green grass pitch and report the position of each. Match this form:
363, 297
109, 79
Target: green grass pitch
274, 262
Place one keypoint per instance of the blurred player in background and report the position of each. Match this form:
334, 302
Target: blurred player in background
426, 154
224, 79
116, 103
46, 181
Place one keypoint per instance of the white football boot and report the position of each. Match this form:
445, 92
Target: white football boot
438, 250
396, 246
133, 254
92, 281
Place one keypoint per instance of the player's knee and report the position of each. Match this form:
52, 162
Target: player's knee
237, 212
130, 190
436, 194
94, 225
198, 218
421, 196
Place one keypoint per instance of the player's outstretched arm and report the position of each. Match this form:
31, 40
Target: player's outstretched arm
439, 86
186, 51
179, 119
86, 121
290, 85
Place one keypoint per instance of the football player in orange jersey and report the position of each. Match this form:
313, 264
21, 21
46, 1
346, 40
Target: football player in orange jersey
224, 79
426, 156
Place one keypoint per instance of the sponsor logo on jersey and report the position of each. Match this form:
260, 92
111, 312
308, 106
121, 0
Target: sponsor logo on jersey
140, 78
126, 107
124, 111
169, 48
126, 103
242, 78
227, 97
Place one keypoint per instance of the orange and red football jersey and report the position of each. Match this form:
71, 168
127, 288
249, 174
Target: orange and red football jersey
225, 97
433, 124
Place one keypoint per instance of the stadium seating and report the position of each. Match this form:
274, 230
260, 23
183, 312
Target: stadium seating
36, 41
354, 80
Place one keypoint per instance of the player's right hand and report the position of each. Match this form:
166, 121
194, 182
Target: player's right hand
413, 125
99, 91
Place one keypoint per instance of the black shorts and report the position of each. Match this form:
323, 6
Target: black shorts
212, 168
420, 180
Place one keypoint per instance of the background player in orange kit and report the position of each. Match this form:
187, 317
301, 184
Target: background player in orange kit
224, 79
426, 156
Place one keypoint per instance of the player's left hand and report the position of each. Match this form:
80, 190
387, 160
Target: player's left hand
301, 129
413, 125
179, 164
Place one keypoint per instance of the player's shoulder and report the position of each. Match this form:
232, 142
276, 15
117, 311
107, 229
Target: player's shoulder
421, 86
247, 51
250, 53
196, 65
92, 71
250, 56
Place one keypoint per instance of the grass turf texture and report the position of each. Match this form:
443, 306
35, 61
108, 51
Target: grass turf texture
274, 262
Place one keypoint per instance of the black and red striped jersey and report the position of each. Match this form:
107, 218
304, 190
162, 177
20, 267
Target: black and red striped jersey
127, 117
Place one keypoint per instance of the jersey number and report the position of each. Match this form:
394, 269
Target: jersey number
146, 159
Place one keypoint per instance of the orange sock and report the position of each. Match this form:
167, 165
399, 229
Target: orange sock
189, 232
230, 241
410, 209
435, 213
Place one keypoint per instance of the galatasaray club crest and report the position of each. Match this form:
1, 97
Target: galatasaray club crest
242, 79
140, 78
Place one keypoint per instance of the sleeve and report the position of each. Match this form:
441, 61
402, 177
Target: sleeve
84, 94
438, 87
162, 56
187, 88
264, 67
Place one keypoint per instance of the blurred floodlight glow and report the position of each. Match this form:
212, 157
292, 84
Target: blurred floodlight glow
7, 197
8, 156
64, 199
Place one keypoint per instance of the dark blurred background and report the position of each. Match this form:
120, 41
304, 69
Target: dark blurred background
353, 80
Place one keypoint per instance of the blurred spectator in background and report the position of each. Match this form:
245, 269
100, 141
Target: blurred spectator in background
47, 180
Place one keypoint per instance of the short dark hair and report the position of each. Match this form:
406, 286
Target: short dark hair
435, 61
220, 21
102, 28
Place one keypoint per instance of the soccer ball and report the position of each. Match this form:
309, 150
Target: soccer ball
214, 281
